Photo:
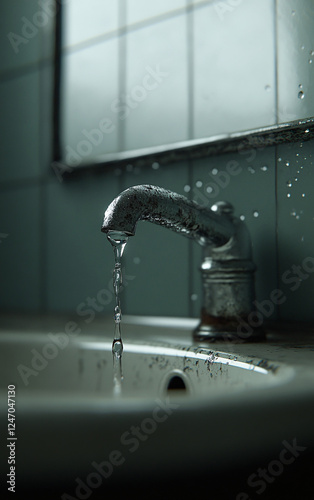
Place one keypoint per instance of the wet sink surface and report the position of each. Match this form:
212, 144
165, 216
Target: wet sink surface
44, 363
171, 388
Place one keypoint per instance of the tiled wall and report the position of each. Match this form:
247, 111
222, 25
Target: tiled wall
53, 256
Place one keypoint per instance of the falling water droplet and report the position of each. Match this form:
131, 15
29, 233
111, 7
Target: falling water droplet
289, 184
255, 213
295, 179
214, 171
306, 131
129, 167
302, 47
301, 94
242, 217
303, 195
136, 260
187, 188
302, 239
297, 154
264, 168
251, 169
279, 159
209, 189
194, 297
287, 164
289, 195
155, 165
310, 61
311, 52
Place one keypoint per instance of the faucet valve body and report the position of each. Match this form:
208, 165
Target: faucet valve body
228, 286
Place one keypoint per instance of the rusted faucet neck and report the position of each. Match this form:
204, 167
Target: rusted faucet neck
168, 209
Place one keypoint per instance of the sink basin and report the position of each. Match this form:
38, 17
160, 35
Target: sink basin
178, 400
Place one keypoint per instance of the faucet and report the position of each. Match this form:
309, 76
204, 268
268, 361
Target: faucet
227, 268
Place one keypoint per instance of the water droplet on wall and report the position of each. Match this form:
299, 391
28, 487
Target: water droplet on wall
301, 94
194, 297
267, 88
199, 184
214, 171
155, 165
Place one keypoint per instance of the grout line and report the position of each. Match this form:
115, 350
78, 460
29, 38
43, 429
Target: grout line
277, 230
278, 312
190, 80
122, 57
190, 68
276, 62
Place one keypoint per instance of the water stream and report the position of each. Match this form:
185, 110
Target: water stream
118, 241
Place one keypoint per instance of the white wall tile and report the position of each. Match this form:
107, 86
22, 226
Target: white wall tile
156, 80
139, 10
234, 67
85, 20
20, 127
295, 59
90, 89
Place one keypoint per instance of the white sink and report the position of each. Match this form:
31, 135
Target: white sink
206, 402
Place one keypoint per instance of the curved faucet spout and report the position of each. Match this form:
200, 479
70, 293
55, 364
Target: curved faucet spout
168, 209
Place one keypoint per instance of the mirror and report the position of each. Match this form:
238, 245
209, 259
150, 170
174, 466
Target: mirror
138, 74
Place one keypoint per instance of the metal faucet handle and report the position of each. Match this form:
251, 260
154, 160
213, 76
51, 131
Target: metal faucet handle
223, 208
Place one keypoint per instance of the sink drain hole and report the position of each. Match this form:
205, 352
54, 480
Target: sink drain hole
176, 383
